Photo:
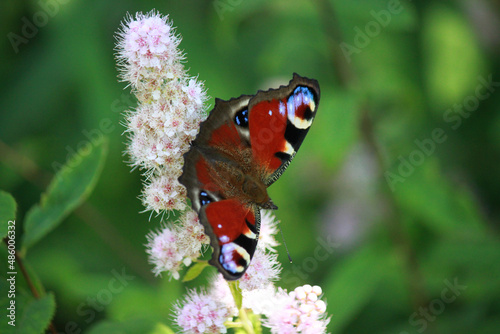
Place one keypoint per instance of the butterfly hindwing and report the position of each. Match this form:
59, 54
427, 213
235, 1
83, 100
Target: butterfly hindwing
244, 146
235, 227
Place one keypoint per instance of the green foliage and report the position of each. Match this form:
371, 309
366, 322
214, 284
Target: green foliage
131, 327
343, 110
353, 286
36, 315
194, 271
70, 187
442, 62
7, 212
448, 209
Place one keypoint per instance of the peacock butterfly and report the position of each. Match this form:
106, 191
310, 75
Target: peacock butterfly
245, 145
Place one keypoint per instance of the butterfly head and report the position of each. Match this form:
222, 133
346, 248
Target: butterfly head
269, 205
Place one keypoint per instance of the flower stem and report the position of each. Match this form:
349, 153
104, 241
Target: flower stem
20, 264
234, 286
245, 323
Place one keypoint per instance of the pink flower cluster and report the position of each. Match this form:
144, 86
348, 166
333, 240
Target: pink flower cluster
202, 314
160, 129
171, 107
300, 311
174, 247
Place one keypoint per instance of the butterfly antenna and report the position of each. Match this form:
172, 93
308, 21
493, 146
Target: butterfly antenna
284, 242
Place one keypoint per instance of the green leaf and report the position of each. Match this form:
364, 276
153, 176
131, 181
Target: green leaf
132, 326
7, 212
195, 270
37, 315
353, 283
69, 188
161, 329
444, 207
337, 124
452, 56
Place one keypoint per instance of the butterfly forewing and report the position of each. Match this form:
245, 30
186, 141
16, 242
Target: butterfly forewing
279, 121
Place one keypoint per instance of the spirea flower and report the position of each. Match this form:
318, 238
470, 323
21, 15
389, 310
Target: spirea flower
164, 193
164, 252
260, 301
268, 229
192, 235
148, 49
300, 311
171, 107
263, 269
199, 313
176, 246
219, 290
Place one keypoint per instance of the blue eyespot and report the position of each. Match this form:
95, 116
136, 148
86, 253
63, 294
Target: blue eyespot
241, 118
204, 198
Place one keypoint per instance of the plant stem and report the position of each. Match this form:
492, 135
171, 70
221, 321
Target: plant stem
245, 321
398, 235
20, 264
234, 286
348, 80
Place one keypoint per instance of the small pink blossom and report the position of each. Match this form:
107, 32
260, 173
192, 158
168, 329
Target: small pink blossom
147, 40
194, 92
264, 268
300, 311
268, 229
192, 234
164, 192
164, 252
219, 289
177, 246
200, 313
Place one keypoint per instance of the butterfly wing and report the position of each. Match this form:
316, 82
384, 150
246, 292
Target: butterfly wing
233, 226
257, 134
279, 120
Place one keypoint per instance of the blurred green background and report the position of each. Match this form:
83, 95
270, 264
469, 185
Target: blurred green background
391, 206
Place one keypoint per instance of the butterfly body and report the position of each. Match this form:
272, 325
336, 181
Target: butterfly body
242, 148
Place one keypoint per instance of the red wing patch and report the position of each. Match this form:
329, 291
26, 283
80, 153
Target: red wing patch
279, 125
203, 172
233, 229
226, 136
267, 125
229, 219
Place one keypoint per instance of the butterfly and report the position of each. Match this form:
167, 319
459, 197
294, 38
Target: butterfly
243, 147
